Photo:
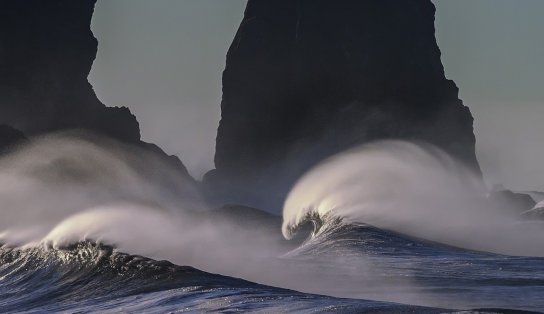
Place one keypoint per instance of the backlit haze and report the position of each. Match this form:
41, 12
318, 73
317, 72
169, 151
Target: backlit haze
164, 59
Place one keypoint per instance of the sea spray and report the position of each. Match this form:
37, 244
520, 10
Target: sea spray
55, 176
68, 188
413, 189
65, 188
61, 193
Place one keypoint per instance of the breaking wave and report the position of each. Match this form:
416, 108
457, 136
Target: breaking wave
86, 221
416, 190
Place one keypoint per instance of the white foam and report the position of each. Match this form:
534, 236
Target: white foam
415, 190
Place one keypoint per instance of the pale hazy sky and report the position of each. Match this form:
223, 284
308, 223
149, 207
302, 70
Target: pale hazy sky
163, 59
494, 51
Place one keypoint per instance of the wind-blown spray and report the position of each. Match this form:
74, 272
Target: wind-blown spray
416, 190
71, 196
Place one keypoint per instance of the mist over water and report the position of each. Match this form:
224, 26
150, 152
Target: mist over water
416, 190
63, 189
53, 177
85, 221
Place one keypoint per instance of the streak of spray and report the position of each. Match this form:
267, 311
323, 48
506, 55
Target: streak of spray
61, 189
56, 176
65, 188
412, 189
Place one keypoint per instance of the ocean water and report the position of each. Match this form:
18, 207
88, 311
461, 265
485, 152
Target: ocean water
392, 227
91, 278
87, 277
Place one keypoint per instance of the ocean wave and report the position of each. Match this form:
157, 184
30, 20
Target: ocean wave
412, 189
79, 216
89, 277
86, 272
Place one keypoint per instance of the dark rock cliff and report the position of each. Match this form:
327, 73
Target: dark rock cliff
305, 79
46, 53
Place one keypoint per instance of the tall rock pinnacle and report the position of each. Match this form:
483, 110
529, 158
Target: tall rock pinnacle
305, 79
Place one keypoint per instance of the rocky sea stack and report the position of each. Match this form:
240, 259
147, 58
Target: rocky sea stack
306, 79
47, 52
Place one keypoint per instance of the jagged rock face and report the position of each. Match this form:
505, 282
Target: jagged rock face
305, 79
46, 53
47, 50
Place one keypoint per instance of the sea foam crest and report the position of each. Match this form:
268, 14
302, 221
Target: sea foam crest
413, 189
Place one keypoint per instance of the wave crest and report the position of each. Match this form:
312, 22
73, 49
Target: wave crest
413, 189
318, 222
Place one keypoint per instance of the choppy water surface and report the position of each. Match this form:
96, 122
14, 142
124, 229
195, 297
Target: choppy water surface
92, 278
356, 260
397, 228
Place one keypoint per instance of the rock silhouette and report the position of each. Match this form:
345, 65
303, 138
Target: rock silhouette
305, 79
47, 52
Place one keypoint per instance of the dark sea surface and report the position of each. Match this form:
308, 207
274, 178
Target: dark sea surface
354, 259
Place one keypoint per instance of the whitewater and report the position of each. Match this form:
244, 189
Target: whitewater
93, 225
